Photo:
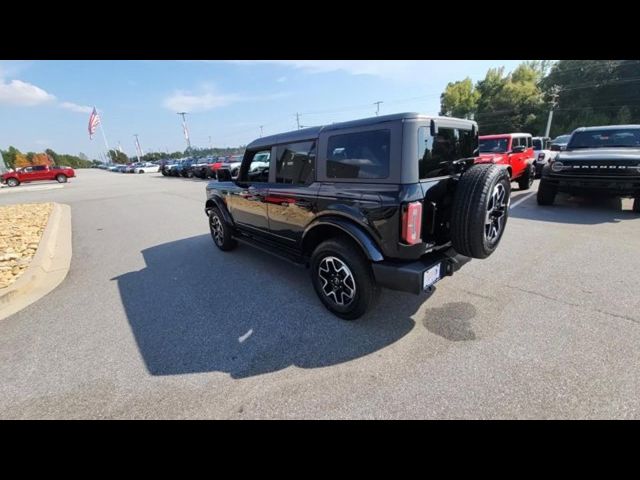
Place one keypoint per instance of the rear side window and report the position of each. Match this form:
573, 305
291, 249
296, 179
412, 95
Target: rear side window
295, 163
39, 168
437, 154
361, 155
529, 142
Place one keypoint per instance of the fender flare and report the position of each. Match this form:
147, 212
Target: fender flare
358, 234
220, 205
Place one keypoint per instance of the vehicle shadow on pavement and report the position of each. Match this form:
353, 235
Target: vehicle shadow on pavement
575, 210
196, 309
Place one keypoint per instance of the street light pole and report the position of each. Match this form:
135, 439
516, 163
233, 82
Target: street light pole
184, 128
377, 104
261, 127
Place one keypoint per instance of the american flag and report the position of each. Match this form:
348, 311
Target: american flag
94, 121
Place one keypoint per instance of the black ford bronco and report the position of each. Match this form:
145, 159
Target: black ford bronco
392, 201
597, 160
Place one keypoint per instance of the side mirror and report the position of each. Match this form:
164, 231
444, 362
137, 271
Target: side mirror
519, 149
223, 175
555, 147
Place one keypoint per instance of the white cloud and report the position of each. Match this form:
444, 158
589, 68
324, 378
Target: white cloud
182, 100
74, 107
281, 79
209, 98
23, 94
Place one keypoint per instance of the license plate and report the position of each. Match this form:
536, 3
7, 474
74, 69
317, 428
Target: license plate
431, 276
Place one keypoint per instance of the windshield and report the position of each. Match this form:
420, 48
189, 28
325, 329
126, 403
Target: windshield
609, 138
493, 145
537, 144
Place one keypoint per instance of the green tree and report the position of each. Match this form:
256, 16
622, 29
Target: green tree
593, 92
117, 156
459, 99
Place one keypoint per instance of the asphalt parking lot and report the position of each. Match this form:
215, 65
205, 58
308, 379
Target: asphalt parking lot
153, 321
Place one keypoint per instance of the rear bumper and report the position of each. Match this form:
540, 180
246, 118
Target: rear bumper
408, 276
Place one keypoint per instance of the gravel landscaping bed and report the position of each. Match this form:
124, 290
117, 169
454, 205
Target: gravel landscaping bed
21, 228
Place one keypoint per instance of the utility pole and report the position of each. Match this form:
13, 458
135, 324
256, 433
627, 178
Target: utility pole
210, 144
554, 102
298, 120
185, 130
377, 104
262, 126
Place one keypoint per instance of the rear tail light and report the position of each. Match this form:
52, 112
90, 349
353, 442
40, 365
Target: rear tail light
412, 223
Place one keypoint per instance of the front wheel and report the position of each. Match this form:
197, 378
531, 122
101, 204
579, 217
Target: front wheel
546, 193
61, 178
220, 231
526, 180
343, 279
13, 182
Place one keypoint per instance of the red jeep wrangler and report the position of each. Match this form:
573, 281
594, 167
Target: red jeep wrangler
514, 150
37, 173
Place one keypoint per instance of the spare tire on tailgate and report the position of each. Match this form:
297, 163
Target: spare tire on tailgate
480, 210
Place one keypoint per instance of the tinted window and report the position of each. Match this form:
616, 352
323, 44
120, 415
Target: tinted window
515, 142
493, 145
623, 137
359, 155
295, 163
39, 168
537, 144
437, 154
529, 142
255, 168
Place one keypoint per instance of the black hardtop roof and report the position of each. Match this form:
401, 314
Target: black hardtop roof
313, 132
605, 127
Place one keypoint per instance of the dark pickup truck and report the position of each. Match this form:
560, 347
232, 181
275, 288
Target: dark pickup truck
392, 201
597, 161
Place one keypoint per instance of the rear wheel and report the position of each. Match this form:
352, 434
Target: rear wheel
636, 204
546, 193
140, 171
61, 178
480, 210
342, 278
526, 180
13, 182
220, 231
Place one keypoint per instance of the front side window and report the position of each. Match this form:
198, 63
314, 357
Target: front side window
361, 155
493, 145
255, 168
515, 142
295, 163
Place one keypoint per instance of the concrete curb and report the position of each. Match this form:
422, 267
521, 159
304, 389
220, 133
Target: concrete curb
47, 269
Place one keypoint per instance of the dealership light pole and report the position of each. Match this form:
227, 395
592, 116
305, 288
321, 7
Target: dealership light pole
138, 148
185, 130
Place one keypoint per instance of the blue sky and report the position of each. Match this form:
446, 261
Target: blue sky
46, 104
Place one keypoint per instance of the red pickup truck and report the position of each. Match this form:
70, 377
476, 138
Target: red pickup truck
514, 150
37, 173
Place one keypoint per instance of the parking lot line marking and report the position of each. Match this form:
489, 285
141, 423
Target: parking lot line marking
522, 199
245, 336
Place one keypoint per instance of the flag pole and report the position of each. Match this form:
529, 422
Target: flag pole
106, 144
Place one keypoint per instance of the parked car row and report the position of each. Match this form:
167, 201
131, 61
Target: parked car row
140, 167
204, 168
